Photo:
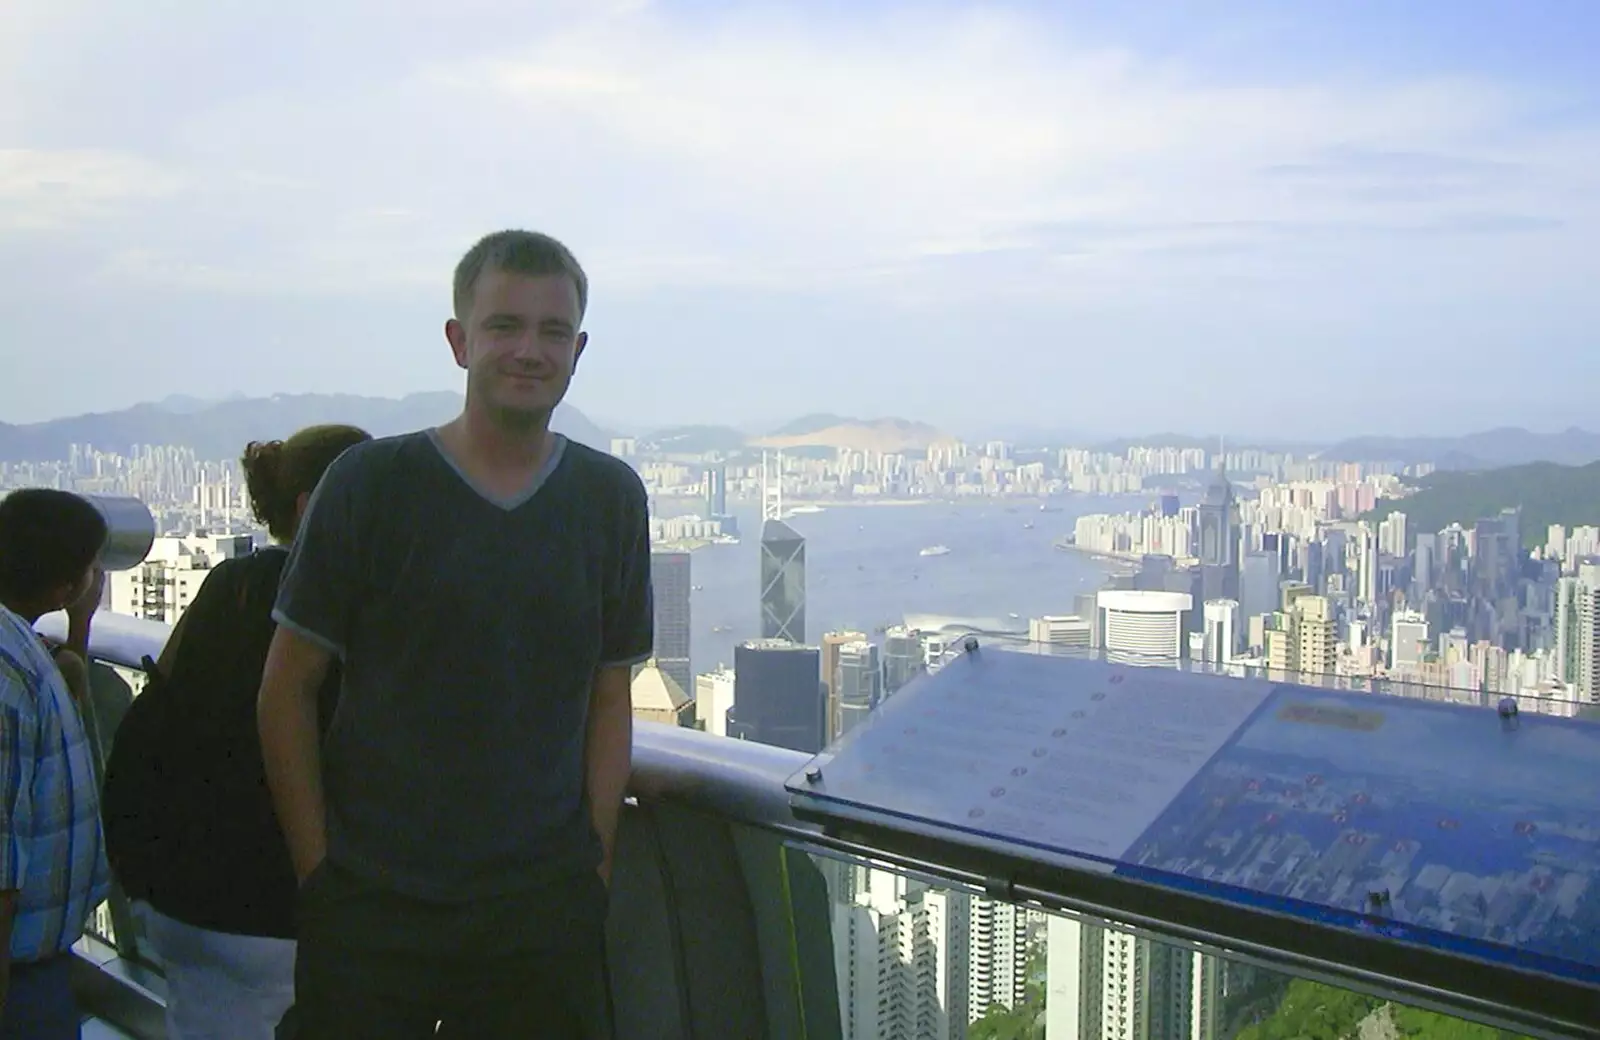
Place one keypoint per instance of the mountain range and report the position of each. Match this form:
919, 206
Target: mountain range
220, 429
1505, 446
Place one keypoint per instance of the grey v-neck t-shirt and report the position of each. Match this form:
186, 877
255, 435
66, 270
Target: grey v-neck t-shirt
470, 629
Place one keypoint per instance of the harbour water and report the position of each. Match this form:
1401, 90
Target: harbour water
864, 569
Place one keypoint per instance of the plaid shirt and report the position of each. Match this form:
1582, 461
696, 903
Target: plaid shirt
54, 852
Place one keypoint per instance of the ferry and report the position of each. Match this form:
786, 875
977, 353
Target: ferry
935, 550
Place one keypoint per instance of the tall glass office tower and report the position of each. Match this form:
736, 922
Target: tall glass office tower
783, 582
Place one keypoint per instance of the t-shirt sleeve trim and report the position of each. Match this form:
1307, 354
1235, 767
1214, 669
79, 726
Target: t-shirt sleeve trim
627, 662
307, 634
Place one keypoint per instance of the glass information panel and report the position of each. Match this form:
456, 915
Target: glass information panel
1431, 822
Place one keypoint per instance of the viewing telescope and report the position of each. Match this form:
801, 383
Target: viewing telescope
130, 530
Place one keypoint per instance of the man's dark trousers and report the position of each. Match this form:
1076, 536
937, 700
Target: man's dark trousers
372, 963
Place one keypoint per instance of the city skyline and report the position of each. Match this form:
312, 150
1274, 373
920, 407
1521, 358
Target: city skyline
1055, 216
1465, 617
1007, 429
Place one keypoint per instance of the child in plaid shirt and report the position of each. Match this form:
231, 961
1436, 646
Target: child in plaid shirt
53, 869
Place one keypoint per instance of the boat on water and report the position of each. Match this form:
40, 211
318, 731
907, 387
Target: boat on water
935, 550
804, 510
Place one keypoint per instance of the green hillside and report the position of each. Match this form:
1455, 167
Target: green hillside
1312, 1011
1548, 494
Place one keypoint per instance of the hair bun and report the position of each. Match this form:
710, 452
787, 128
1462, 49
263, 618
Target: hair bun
278, 473
262, 463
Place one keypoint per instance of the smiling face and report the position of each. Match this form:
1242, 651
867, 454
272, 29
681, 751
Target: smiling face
519, 342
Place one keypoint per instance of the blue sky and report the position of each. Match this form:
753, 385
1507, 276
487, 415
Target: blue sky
1300, 220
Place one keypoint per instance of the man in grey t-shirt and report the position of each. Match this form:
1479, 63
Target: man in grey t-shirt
486, 587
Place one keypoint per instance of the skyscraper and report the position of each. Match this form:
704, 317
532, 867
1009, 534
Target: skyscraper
1367, 577
1423, 563
1408, 640
1222, 632
1315, 643
716, 505
1392, 535
1104, 982
999, 949
1578, 631
716, 486
670, 576
783, 582
1144, 627
902, 658
831, 642
713, 700
860, 684
900, 950
1064, 632
1219, 541
777, 696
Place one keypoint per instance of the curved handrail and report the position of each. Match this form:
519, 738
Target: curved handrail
738, 779
743, 782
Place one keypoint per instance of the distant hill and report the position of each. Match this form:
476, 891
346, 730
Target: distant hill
887, 435
1507, 446
183, 404
695, 440
217, 430
1548, 494
812, 423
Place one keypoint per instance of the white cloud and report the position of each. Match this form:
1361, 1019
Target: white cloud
879, 143
770, 149
44, 190
922, 176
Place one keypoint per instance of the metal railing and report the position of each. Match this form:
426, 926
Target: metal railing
691, 790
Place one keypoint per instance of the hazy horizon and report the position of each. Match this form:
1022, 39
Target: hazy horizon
1298, 223
999, 430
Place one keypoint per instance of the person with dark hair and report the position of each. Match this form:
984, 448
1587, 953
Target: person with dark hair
279, 476
205, 858
53, 869
60, 524
486, 587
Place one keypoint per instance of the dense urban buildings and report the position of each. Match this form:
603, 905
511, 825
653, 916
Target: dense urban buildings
1251, 563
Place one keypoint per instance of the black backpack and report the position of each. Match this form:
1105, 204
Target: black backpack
185, 763
134, 783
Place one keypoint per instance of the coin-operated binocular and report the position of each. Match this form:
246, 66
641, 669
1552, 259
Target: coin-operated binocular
130, 530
